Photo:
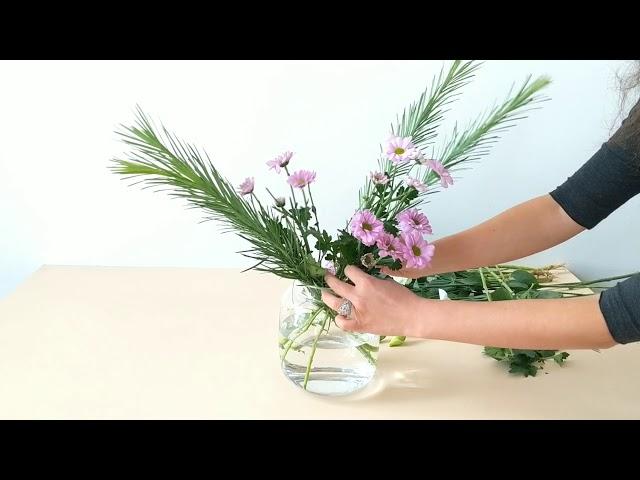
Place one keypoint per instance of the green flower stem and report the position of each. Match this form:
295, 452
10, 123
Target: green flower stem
398, 208
303, 328
313, 353
293, 194
313, 209
253, 197
502, 282
484, 285
590, 282
365, 349
293, 217
528, 269
315, 215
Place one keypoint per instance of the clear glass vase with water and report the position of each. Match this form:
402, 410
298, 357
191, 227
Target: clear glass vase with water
315, 353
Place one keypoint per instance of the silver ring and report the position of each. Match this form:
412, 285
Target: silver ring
345, 308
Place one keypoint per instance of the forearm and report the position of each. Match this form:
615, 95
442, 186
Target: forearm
525, 229
547, 324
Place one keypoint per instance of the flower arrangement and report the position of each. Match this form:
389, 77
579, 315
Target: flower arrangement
386, 229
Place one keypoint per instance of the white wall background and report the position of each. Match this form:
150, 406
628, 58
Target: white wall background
60, 205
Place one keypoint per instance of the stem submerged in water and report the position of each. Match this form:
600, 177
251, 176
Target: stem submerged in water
313, 353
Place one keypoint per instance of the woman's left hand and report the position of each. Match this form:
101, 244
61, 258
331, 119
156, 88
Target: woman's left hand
382, 307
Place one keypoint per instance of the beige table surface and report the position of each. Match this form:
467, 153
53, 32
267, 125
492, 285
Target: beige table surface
180, 343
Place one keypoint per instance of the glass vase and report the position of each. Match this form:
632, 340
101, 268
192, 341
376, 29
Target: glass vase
316, 354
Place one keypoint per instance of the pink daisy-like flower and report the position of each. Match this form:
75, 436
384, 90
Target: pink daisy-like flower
414, 220
443, 173
301, 178
329, 266
416, 251
247, 186
415, 183
389, 246
366, 227
400, 149
379, 178
280, 161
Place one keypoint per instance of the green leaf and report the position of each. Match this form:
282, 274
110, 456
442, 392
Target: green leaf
472, 278
545, 353
448, 276
324, 239
313, 267
527, 370
501, 294
517, 285
524, 277
347, 247
496, 353
303, 214
560, 357
390, 227
412, 195
526, 353
389, 262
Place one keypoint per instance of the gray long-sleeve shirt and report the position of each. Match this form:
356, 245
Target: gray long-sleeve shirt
608, 180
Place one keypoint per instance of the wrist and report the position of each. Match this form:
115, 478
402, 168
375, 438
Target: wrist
424, 317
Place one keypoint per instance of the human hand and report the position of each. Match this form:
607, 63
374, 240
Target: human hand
381, 307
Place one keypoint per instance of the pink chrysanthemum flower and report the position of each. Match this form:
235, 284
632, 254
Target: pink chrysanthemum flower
379, 178
400, 149
301, 178
366, 227
416, 251
415, 183
247, 186
280, 161
329, 266
413, 220
389, 246
443, 173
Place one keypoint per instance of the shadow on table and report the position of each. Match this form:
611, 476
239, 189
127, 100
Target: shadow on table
400, 378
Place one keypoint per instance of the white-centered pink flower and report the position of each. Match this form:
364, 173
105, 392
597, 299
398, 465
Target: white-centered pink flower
366, 227
413, 220
379, 178
280, 161
247, 186
416, 251
400, 149
301, 178
443, 173
415, 183
389, 246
